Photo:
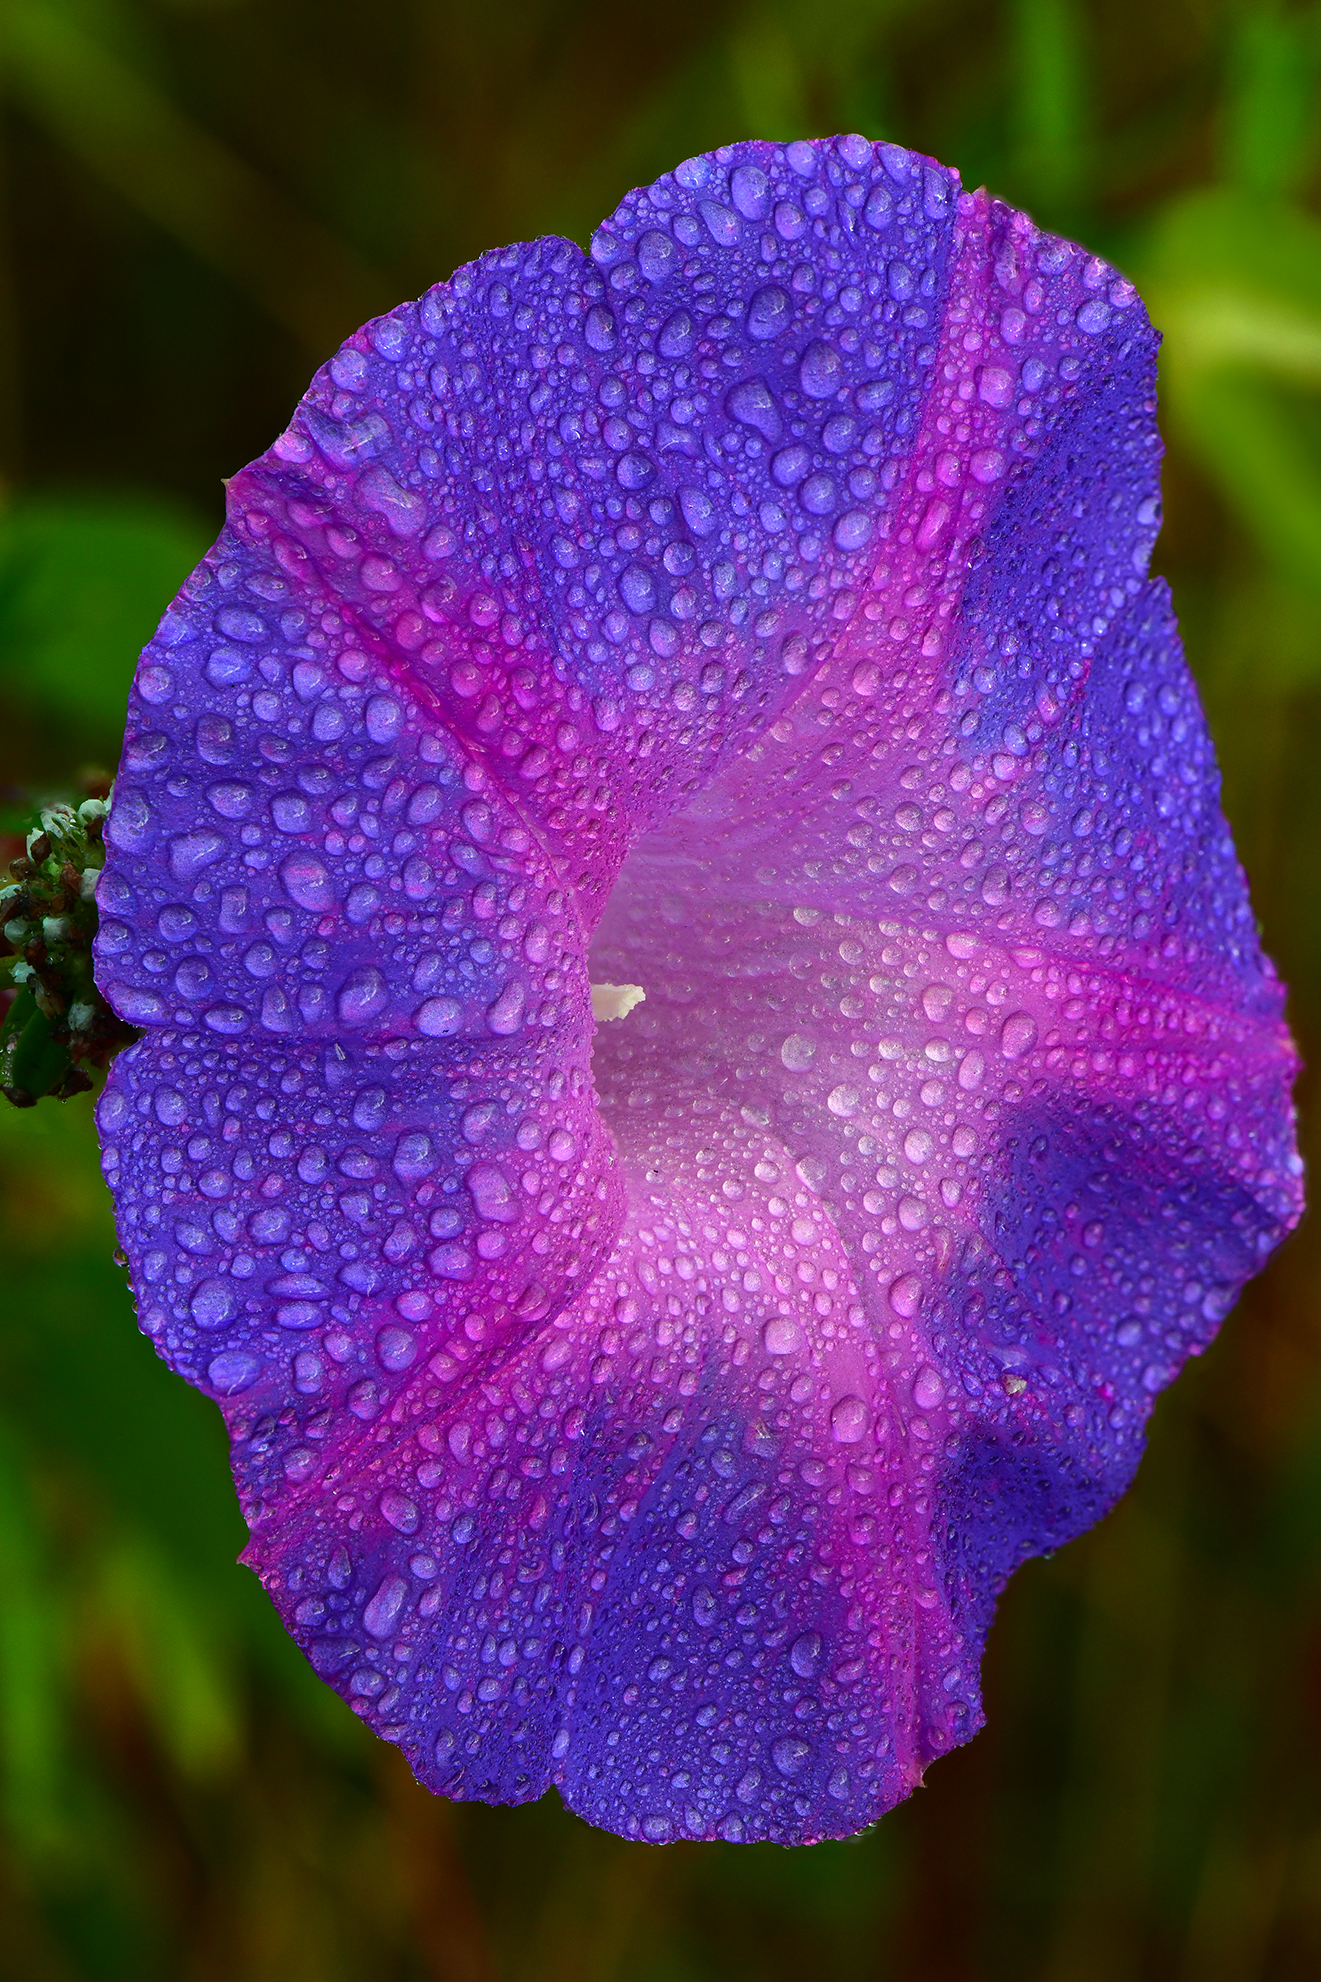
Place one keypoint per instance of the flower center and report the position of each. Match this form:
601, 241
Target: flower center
615, 1001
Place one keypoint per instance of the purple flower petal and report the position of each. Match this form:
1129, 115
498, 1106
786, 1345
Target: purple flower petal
757, 614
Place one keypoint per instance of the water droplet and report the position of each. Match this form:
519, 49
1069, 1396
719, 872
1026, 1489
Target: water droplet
234, 1371
782, 1335
853, 530
752, 403
805, 1654
362, 996
821, 372
658, 257
699, 511
414, 1157
790, 465
599, 329
791, 1755
637, 588
723, 225
382, 1613
396, 1348
750, 191
385, 718
214, 1302
849, 1419
491, 1193
439, 1018
817, 495
307, 882
769, 313
400, 1512
928, 1389
1018, 1035
505, 1016
190, 853
906, 1295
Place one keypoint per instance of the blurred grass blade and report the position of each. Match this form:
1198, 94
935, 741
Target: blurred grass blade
184, 179
1271, 108
182, 1667
1050, 103
1267, 465
30, 1711
1234, 282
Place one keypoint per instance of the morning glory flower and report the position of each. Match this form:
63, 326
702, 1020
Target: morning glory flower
706, 1054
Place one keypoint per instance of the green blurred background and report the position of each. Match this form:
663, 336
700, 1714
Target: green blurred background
198, 200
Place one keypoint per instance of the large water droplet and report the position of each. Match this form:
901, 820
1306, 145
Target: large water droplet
362, 996
782, 1335
805, 1654
307, 882
849, 1419
382, 1613
1018, 1035
752, 403
821, 373
791, 1754
928, 1389
768, 313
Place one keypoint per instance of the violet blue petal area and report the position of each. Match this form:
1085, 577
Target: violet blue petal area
755, 611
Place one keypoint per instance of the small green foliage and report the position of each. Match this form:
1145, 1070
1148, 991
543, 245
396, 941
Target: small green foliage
58, 1028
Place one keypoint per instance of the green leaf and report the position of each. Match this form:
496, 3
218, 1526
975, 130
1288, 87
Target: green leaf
83, 583
40, 1062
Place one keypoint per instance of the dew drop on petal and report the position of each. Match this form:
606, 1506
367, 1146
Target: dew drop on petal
506, 1014
791, 1754
821, 372
906, 1295
233, 1372
385, 718
397, 1348
769, 313
782, 1335
307, 882
214, 1302
972, 1071
805, 1654
928, 1389
439, 1018
849, 1419
362, 996
382, 1613
1018, 1035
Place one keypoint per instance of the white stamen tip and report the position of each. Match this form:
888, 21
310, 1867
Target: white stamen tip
615, 1001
